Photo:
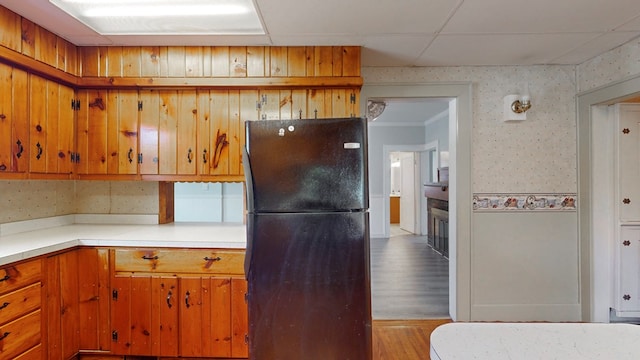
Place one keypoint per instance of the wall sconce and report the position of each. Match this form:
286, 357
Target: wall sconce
516, 106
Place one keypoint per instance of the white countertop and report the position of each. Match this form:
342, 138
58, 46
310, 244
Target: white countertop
534, 341
26, 244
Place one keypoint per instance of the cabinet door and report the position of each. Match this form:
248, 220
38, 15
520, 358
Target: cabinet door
127, 131
149, 131
38, 96
144, 315
178, 119
14, 122
66, 131
628, 268
239, 319
91, 134
205, 317
62, 303
628, 138
93, 299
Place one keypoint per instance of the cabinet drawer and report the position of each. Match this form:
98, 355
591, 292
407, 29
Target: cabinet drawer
180, 261
20, 335
20, 302
19, 275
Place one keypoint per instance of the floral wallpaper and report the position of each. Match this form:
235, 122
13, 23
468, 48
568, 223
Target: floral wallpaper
618, 64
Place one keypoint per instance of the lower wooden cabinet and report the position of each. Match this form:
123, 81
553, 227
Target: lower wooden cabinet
196, 310
21, 310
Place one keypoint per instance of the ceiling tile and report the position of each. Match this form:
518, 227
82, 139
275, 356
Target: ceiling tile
595, 47
451, 50
355, 16
540, 16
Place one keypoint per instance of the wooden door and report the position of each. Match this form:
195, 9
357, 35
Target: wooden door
164, 315
62, 320
66, 130
13, 119
93, 299
204, 120
149, 131
239, 319
168, 128
91, 134
38, 96
120, 314
186, 142
205, 317
127, 131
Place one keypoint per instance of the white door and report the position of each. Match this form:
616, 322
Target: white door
407, 192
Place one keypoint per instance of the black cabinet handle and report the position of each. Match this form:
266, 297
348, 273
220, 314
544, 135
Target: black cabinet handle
4, 305
217, 258
169, 299
204, 156
186, 300
5, 278
4, 336
130, 155
20, 149
189, 155
39, 147
145, 257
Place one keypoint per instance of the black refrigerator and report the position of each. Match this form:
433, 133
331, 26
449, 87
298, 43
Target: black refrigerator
307, 260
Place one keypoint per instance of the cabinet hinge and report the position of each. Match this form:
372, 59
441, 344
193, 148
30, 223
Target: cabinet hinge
352, 98
246, 338
114, 335
114, 294
139, 105
258, 105
264, 99
140, 158
75, 104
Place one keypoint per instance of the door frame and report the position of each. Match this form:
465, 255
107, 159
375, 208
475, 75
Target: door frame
594, 257
460, 177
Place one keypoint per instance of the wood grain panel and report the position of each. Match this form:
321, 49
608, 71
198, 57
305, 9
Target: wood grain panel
194, 61
38, 123
221, 64
69, 306
248, 111
238, 61
131, 61
299, 104
204, 120
6, 116
113, 136
20, 302
53, 303
28, 38
150, 64
52, 131
141, 331
176, 60
128, 131
121, 315
270, 104
90, 60
149, 131
256, 61
218, 322
93, 295
164, 317
239, 318
91, 134
191, 292
173, 261
323, 61
296, 61
351, 61
21, 335
167, 157
66, 130
46, 50
186, 132
279, 61
10, 36
20, 123
113, 61
219, 131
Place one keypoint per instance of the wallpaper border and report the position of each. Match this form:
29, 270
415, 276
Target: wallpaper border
525, 202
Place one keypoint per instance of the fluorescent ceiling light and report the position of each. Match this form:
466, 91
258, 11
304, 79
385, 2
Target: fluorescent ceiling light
165, 17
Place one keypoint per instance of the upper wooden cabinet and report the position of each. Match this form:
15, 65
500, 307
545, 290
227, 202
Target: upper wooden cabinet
51, 120
14, 120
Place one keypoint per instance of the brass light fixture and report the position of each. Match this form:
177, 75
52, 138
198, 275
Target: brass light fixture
516, 106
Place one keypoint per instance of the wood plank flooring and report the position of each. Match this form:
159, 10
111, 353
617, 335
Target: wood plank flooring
403, 339
409, 280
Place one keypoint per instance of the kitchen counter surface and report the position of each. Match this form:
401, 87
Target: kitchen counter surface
27, 244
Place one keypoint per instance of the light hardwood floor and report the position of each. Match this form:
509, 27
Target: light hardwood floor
403, 339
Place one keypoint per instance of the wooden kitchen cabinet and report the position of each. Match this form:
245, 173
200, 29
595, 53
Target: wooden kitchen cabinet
107, 133
20, 310
178, 302
51, 134
14, 120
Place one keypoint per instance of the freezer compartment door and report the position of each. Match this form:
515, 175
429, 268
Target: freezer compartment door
306, 165
309, 286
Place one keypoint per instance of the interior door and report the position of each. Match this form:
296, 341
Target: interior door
407, 192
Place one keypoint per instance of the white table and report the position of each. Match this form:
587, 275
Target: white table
535, 341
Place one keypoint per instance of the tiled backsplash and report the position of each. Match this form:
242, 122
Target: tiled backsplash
36, 199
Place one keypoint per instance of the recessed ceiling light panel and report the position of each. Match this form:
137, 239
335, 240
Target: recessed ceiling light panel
165, 17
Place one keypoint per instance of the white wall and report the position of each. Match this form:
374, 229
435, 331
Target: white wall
535, 156
208, 202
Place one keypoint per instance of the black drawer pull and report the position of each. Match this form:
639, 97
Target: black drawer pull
186, 300
145, 257
4, 336
5, 278
218, 258
169, 299
4, 305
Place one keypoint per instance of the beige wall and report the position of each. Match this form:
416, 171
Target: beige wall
618, 64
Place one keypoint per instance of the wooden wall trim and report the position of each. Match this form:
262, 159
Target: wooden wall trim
219, 82
36, 67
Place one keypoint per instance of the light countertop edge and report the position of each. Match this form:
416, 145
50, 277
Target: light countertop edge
30, 244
